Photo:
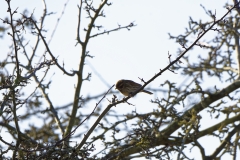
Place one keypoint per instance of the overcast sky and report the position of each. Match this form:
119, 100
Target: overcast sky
140, 52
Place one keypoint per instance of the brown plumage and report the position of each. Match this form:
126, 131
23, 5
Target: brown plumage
127, 87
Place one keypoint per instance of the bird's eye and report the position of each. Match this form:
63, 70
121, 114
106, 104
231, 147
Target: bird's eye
120, 85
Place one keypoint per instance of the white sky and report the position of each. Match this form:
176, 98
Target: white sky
140, 52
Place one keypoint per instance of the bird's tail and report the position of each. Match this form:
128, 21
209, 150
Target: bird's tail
147, 92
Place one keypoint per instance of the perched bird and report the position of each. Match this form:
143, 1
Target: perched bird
127, 87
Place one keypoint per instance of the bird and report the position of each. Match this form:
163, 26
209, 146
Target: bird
127, 87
